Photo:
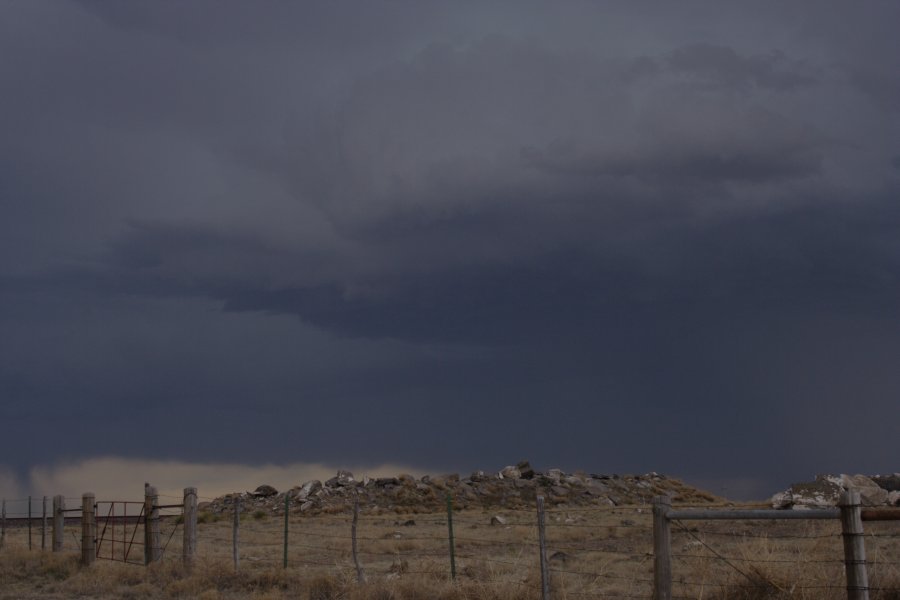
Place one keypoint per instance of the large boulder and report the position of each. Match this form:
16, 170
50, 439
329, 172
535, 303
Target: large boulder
870, 493
826, 491
821, 493
342, 479
265, 491
890, 483
509, 473
525, 470
308, 489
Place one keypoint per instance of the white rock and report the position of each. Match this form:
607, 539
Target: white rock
782, 499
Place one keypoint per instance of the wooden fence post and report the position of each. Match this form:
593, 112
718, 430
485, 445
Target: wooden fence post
88, 530
662, 549
854, 546
450, 535
29, 522
152, 549
234, 533
3, 525
189, 546
59, 522
360, 574
542, 543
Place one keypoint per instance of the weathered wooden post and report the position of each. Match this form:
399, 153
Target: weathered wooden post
662, 549
189, 546
542, 543
29, 522
59, 522
234, 533
3, 524
360, 573
88, 530
854, 546
152, 549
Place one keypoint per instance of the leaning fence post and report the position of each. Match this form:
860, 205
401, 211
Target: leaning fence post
360, 573
88, 530
542, 542
854, 546
59, 522
234, 533
152, 550
662, 549
450, 534
189, 546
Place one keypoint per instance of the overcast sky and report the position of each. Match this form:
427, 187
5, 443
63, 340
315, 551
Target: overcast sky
618, 237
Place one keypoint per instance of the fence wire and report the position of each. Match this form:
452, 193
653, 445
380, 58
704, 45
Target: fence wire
597, 552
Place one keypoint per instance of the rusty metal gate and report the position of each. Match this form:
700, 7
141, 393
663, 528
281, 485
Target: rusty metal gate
119, 533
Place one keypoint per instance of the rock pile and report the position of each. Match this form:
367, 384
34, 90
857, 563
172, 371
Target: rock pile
511, 487
826, 490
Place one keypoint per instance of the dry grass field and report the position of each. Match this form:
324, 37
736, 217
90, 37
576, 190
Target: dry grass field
594, 553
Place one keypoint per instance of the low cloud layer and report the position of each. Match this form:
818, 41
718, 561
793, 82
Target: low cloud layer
123, 479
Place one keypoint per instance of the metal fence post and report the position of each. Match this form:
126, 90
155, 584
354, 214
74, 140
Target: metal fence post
88, 530
59, 522
662, 549
44, 524
854, 546
542, 542
287, 511
152, 550
189, 545
234, 533
360, 573
450, 533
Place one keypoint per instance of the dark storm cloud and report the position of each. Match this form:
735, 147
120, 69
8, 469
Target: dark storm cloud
392, 218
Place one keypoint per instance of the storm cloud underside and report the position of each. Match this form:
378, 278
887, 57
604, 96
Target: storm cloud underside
617, 239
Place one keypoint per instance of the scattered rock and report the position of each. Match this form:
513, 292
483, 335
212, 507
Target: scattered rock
513, 487
559, 490
498, 520
264, 491
826, 490
509, 473
308, 489
525, 470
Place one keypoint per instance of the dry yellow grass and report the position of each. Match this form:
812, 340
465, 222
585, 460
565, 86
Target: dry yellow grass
595, 553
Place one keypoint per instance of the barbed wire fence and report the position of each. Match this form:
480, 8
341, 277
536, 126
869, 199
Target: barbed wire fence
560, 552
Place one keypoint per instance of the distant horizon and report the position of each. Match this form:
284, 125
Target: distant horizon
120, 478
